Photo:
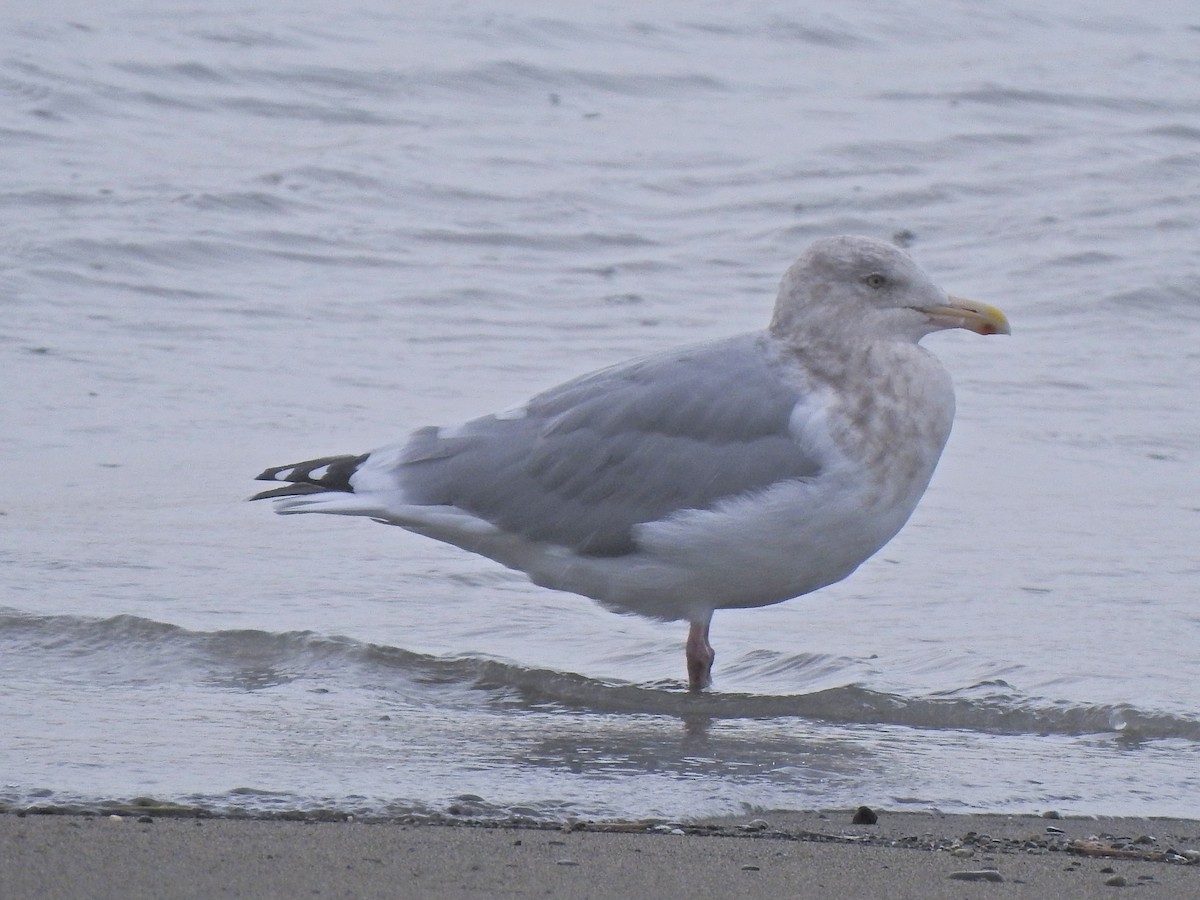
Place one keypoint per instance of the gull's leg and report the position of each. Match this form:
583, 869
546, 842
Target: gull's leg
700, 655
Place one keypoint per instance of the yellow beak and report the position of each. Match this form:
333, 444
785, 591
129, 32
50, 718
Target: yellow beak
969, 314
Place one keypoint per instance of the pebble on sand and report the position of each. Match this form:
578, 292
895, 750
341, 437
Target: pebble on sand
864, 815
978, 875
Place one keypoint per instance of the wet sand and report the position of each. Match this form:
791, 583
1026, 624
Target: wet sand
789, 855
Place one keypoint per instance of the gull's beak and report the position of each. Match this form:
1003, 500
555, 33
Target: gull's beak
969, 314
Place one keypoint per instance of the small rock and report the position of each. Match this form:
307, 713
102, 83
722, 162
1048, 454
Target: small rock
566, 862
1116, 881
115, 818
978, 875
962, 852
1190, 855
145, 820
757, 825
864, 815
1145, 839
676, 831
1050, 829
1051, 814
749, 868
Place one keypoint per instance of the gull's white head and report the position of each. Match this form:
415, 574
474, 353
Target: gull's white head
856, 288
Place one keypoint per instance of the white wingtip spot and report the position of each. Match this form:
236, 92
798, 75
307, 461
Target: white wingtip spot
318, 473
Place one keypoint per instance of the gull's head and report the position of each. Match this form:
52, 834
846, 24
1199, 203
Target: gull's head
855, 288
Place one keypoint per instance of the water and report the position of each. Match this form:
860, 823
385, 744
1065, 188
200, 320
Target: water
233, 239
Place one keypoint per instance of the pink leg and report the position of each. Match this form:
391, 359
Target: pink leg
700, 656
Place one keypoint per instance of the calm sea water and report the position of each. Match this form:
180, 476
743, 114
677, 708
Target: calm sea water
230, 239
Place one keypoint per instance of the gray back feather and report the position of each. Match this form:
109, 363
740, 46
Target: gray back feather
594, 457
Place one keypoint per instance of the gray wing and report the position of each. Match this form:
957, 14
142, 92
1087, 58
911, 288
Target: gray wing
594, 457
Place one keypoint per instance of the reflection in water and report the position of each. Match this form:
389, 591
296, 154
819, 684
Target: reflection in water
789, 752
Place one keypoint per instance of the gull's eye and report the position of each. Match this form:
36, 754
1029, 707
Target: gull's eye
875, 280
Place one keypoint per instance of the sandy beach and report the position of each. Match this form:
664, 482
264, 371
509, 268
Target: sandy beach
795, 855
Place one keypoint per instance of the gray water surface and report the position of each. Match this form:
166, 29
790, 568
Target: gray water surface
233, 239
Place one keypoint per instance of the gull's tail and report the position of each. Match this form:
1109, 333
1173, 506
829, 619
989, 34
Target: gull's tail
329, 474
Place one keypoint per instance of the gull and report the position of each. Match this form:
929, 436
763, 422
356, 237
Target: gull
731, 474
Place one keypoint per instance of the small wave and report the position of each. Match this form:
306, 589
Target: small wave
254, 202
1001, 96
512, 77
328, 113
174, 71
249, 660
534, 241
260, 803
54, 199
160, 253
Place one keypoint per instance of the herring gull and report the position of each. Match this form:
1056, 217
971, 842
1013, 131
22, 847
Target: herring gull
736, 473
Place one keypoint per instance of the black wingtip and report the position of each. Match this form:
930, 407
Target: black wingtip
269, 474
288, 490
328, 473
